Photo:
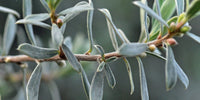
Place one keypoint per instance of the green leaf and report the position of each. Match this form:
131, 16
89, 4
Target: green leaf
143, 83
170, 69
68, 42
71, 58
182, 76
193, 36
110, 76
37, 52
33, 85
150, 12
193, 9
180, 6
57, 36
54, 91
9, 33
89, 25
108, 18
128, 67
27, 10
96, 89
100, 50
132, 49
101, 66
159, 13
85, 82
45, 5
167, 10
8, 10
34, 22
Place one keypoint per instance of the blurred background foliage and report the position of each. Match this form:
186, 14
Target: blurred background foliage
126, 16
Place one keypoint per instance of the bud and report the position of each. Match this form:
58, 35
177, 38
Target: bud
61, 63
185, 29
152, 47
59, 23
172, 27
24, 65
142, 55
181, 17
172, 41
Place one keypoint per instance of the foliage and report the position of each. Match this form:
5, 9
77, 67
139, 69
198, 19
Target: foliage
165, 26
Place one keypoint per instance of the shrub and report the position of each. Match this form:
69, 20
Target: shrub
165, 25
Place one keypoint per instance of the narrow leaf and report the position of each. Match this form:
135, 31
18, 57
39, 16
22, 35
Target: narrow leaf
37, 17
89, 25
159, 13
123, 36
170, 69
193, 9
78, 8
108, 17
167, 10
182, 76
9, 33
128, 67
112, 32
101, 66
37, 52
33, 85
96, 89
110, 76
143, 83
180, 6
8, 10
34, 22
55, 94
68, 42
27, 10
193, 36
85, 82
132, 49
71, 58
45, 5
143, 20
156, 55
150, 12
57, 36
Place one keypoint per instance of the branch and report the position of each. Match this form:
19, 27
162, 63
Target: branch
80, 57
